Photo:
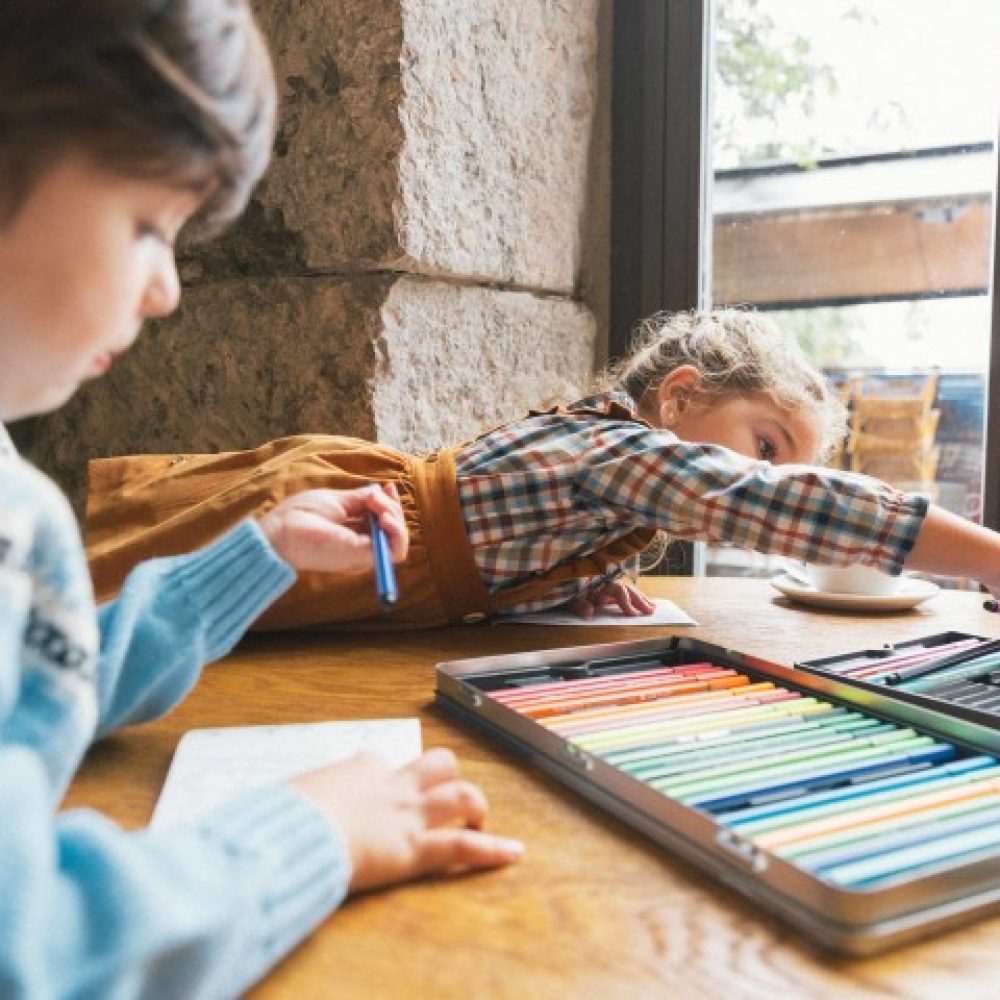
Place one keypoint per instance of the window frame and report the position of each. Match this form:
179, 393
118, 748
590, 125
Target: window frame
658, 174
660, 223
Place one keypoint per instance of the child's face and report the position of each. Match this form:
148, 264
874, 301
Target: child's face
87, 258
752, 425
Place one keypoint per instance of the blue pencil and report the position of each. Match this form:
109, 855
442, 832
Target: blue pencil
758, 792
798, 764
385, 574
810, 805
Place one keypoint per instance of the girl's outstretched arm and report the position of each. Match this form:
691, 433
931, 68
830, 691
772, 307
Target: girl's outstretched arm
952, 546
709, 493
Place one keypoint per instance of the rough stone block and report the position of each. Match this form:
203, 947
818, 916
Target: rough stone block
453, 360
498, 102
240, 362
425, 136
410, 362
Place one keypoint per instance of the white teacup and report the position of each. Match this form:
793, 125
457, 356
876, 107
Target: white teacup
853, 580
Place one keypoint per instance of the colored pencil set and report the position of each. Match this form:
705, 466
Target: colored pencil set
963, 670
855, 799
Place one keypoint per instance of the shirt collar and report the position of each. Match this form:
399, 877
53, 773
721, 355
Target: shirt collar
7, 449
597, 399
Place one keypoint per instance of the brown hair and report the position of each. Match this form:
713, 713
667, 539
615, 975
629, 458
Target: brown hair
736, 351
179, 90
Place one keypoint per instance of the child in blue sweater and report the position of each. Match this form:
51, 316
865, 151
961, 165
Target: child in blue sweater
120, 123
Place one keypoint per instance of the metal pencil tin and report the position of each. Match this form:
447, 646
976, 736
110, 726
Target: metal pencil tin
826, 666
849, 921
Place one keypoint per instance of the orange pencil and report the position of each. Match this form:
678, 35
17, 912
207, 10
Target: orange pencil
702, 702
563, 705
671, 703
571, 729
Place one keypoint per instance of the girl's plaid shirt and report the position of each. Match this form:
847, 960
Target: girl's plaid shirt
551, 487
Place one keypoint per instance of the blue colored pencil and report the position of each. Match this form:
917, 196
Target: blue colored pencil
760, 819
759, 792
385, 574
804, 764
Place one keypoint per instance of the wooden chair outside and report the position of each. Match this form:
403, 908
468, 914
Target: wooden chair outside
894, 428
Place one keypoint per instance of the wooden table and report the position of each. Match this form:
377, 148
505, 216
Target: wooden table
593, 910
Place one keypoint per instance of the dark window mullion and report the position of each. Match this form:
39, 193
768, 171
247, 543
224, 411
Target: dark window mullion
687, 160
991, 434
658, 173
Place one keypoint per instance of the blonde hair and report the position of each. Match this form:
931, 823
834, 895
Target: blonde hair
736, 352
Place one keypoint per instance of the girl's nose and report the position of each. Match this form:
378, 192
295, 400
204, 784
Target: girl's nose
163, 292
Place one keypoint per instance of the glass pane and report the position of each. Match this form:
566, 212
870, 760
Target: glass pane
852, 198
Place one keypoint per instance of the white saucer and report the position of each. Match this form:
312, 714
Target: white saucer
910, 594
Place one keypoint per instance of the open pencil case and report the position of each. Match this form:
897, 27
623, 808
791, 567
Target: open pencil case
973, 697
863, 820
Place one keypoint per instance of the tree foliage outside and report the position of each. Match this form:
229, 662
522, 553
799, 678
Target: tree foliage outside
762, 75
766, 84
826, 334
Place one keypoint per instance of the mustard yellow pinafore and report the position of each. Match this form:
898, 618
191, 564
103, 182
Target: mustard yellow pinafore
143, 506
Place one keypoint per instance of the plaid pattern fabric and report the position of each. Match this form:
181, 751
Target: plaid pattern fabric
544, 490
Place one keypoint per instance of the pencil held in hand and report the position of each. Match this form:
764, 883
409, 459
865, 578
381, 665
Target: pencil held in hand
385, 574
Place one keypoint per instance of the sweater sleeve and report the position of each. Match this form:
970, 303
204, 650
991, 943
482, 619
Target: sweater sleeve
176, 614
88, 910
709, 493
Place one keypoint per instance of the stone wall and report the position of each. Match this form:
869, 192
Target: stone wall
411, 268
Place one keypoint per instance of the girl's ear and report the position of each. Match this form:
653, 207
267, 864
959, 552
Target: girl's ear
675, 392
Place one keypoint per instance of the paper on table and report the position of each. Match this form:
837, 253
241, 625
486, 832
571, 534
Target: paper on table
212, 765
666, 613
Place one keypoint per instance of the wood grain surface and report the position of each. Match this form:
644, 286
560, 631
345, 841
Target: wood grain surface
593, 910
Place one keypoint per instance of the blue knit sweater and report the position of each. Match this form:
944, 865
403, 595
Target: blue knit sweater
86, 909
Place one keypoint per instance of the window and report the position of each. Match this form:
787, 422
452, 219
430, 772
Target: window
833, 164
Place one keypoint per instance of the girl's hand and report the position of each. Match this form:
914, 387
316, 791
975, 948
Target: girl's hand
327, 530
416, 820
629, 600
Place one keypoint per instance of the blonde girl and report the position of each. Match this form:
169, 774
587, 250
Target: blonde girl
709, 430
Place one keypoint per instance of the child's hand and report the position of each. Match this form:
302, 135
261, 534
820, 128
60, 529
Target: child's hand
412, 821
629, 600
327, 530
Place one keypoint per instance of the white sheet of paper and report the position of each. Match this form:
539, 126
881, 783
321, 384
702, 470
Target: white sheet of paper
666, 613
212, 765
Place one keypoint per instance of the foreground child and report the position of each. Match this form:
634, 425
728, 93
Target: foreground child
707, 431
119, 122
